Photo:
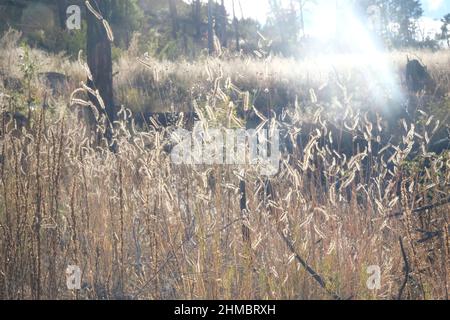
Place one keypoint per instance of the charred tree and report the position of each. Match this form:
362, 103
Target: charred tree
221, 18
100, 64
416, 75
236, 29
246, 233
210, 28
62, 7
174, 18
197, 19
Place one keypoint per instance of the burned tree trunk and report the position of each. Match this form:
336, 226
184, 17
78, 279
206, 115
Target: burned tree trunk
174, 18
246, 236
236, 29
417, 76
210, 28
197, 19
222, 23
62, 7
100, 64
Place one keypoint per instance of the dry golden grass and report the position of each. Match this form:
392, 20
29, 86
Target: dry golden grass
141, 227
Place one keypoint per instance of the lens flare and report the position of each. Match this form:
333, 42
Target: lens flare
347, 40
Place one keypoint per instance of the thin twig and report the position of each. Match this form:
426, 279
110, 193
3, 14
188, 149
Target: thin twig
307, 267
172, 254
421, 209
407, 270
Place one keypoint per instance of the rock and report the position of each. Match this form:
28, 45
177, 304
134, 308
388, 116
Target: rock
417, 76
19, 120
13, 123
12, 84
57, 82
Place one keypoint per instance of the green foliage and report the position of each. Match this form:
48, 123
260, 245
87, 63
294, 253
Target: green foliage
125, 18
116, 53
28, 66
29, 69
56, 40
398, 21
403, 13
445, 32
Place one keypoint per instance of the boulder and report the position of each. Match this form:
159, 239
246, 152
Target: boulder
13, 121
417, 76
55, 81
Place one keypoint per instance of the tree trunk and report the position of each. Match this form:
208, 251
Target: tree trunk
210, 28
62, 14
174, 18
100, 63
222, 17
197, 19
185, 40
128, 27
236, 29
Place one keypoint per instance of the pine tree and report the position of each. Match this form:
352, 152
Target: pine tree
197, 19
174, 18
404, 14
236, 28
398, 19
125, 17
445, 32
222, 21
210, 27
99, 60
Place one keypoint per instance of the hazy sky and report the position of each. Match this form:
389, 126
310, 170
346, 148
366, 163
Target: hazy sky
258, 8
434, 10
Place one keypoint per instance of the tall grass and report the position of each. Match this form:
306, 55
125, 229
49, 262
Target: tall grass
140, 227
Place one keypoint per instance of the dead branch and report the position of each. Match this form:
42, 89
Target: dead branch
307, 267
407, 270
421, 209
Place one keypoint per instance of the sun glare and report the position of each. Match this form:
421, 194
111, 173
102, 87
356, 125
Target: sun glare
322, 20
352, 45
